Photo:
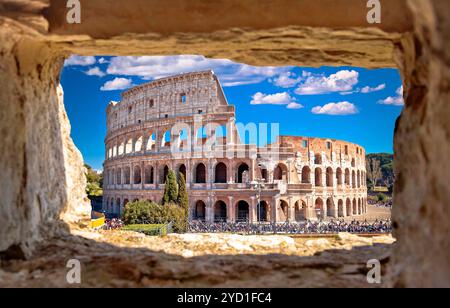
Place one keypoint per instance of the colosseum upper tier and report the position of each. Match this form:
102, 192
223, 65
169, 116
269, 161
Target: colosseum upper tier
185, 124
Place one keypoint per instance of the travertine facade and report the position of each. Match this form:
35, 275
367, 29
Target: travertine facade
184, 123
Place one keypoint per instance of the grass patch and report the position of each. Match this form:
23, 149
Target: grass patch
150, 229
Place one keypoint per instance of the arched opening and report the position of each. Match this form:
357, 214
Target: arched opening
163, 175
306, 175
166, 139
330, 207
284, 213
320, 213
355, 207
341, 208
264, 174
200, 174
182, 139
242, 211
300, 210
347, 177
151, 143
119, 176
149, 175
280, 173
116, 210
129, 146
330, 177
348, 206
138, 145
220, 173
182, 171
353, 163
221, 135
353, 179
358, 176
200, 210
121, 149
339, 176
242, 173
220, 211
318, 159
262, 211
318, 177
137, 178
126, 175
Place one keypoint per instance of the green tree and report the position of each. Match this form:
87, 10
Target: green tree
94, 182
183, 199
171, 189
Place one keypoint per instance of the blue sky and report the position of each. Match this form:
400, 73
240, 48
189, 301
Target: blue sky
348, 103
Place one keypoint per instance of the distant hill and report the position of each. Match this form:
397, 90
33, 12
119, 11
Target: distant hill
387, 168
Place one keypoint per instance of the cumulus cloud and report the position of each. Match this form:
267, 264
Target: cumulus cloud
396, 100
275, 99
95, 71
154, 67
102, 60
342, 81
80, 61
375, 89
286, 80
117, 84
342, 108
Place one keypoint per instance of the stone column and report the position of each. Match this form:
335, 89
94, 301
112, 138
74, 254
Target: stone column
253, 213
209, 215
231, 217
274, 210
291, 211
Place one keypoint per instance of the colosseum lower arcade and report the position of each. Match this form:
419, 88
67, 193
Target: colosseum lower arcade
185, 124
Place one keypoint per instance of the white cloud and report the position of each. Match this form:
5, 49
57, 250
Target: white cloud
275, 99
286, 80
154, 67
376, 89
342, 81
102, 60
117, 84
95, 71
80, 61
394, 100
342, 108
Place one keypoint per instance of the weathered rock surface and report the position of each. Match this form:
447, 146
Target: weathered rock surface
40, 167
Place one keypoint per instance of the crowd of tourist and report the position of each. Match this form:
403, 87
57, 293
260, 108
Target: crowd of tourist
113, 224
385, 204
307, 227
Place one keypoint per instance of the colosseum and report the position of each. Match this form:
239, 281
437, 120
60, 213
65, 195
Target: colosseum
184, 123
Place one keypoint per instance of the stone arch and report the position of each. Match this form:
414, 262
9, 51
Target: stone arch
318, 176
182, 171
119, 176
330, 207
284, 210
200, 210
353, 163
220, 211
129, 146
166, 139
329, 177
280, 173
137, 178
200, 173
121, 149
339, 176
138, 144
355, 207
117, 207
306, 175
300, 210
262, 211
242, 175
151, 142
319, 208
358, 178
149, 175
220, 173
242, 211
360, 211
347, 177
163, 174
341, 208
